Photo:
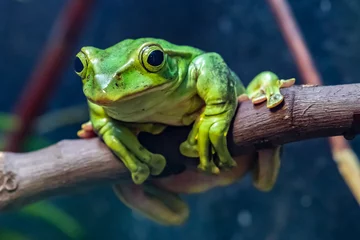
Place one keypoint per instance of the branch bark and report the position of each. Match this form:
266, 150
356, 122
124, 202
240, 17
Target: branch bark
70, 165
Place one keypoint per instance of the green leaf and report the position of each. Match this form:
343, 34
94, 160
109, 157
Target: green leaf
55, 216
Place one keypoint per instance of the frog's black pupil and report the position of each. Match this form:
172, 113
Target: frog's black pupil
155, 58
78, 66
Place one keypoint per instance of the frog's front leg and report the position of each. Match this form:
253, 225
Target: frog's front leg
266, 87
216, 87
124, 143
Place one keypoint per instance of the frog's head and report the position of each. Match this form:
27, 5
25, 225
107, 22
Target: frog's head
126, 70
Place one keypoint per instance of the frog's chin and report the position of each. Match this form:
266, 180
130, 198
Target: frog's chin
105, 101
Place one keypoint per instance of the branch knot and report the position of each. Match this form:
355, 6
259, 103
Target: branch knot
8, 180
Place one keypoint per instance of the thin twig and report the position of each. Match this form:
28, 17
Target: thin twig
344, 156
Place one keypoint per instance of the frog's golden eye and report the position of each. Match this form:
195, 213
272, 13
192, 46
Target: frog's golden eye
80, 64
152, 58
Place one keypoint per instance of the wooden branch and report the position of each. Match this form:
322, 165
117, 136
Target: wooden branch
70, 165
345, 158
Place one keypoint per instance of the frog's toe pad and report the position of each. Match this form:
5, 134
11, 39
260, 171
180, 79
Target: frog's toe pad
287, 83
258, 98
274, 100
189, 150
87, 131
210, 168
141, 174
157, 164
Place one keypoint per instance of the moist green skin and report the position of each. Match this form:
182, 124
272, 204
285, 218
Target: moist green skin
126, 96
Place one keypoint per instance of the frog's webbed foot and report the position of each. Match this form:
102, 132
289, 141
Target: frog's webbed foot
124, 143
266, 87
266, 169
159, 205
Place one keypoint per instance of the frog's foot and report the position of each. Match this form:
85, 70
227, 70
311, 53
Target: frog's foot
159, 205
141, 162
189, 149
219, 126
266, 87
207, 140
266, 169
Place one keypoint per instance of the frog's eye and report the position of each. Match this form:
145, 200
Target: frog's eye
152, 58
80, 64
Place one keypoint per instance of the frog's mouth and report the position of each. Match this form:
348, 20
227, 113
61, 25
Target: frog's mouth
104, 100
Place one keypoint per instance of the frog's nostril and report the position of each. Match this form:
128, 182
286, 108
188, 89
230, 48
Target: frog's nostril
118, 76
78, 65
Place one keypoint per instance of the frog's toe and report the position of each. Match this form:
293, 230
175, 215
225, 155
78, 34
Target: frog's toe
243, 97
217, 134
157, 164
141, 173
287, 83
259, 97
210, 168
87, 131
228, 165
189, 150
274, 100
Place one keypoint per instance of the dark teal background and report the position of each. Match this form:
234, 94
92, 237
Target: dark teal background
310, 201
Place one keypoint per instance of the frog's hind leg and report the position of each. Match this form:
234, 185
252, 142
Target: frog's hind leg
266, 87
266, 169
159, 205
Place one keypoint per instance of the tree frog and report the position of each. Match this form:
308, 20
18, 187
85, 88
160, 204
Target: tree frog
147, 84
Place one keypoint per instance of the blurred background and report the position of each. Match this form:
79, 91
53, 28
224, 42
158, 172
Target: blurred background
310, 201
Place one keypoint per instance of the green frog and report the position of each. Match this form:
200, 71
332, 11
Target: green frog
147, 84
